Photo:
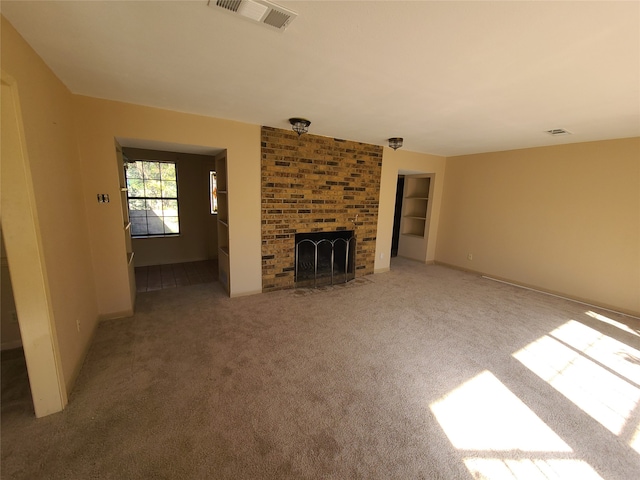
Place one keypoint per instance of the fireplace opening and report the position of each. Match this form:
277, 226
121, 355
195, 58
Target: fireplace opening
324, 258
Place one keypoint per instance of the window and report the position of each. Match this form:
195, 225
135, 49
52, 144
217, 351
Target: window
213, 192
152, 193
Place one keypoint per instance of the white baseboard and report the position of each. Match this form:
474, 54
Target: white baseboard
245, 294
115, 315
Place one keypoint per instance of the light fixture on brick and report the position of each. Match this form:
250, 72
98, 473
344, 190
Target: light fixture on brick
300, 125
395, 142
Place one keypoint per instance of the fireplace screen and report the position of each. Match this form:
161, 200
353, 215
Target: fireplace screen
325, 258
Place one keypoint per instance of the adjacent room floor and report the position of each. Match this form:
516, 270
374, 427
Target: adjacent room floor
174, 275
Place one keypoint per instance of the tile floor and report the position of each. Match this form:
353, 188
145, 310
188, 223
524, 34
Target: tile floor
174, 275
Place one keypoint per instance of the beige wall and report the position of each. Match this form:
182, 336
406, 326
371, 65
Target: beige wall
401, 162
564, 219
99, 122
49, 136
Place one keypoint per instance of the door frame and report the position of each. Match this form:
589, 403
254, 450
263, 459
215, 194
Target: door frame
25, 255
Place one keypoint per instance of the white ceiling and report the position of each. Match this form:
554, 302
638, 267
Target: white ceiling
450, 77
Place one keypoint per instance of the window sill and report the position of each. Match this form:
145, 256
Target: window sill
136, 237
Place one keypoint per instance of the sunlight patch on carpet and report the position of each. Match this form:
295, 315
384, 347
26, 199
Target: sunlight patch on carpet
609, 352
482, 414
529, 469
635, 439
588, 368
501, 438
610, 321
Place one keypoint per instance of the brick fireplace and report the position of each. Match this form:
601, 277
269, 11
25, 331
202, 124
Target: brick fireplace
316, 184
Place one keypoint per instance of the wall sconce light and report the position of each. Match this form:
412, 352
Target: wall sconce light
395, 142
300, 125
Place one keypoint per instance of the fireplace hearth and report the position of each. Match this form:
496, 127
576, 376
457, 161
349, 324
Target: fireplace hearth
324, 258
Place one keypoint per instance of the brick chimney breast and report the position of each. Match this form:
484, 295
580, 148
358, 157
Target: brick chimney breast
315, 184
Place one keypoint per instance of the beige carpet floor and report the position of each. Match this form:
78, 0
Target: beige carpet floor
423, 372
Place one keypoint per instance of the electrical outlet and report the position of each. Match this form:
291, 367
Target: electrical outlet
78, 324
470, 256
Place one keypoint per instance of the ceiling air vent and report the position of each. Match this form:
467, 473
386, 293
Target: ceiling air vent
259, 11
558, 131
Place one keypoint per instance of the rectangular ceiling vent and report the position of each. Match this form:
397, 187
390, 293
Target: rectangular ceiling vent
259, 11
558, 131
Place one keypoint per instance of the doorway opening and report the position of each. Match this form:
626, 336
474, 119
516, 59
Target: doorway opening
168, 204
16, 393
397, 216
23, 244
412, 216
